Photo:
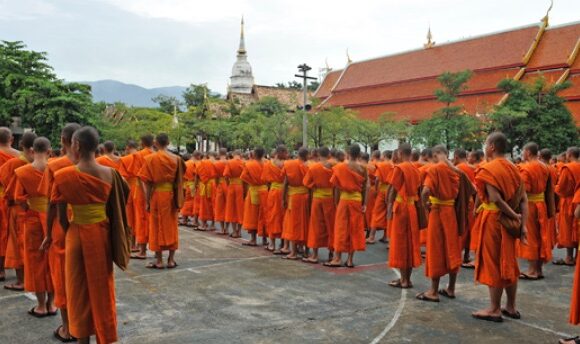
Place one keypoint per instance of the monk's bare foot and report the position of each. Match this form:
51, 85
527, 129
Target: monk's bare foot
15, 287
427, 296
334, 263
398, 283
488, 315
448, 293
51, 309
371, 241
311, 260
291, 257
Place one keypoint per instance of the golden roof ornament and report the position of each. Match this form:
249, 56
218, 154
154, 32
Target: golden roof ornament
545, 20
430, 43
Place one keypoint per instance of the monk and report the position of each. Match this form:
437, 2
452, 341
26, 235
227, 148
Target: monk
139, 198
85, 188
254, 216
54, 242
497, 182
546, 157
162, 175
295, 200
440, 189
404, 253
197, 158
536, 176
6, 153
567, 227
109, 158
322, 209
351, 181
16, 215
461, 162
219, 207
274, 176
36, 269
575, 302
425, 161
206, 185
186, 211
235, 195
126, 171
379, 211
371, 166
474, 158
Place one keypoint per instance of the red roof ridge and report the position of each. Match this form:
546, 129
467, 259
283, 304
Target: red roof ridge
325, 76
334, 86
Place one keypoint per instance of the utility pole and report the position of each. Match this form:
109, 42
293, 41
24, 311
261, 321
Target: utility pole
304, 68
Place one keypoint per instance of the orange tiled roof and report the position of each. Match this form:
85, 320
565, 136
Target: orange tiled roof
551, 76
324, 89
572, 93
555, 47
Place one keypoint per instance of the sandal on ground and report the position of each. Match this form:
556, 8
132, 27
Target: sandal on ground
154, 266
57, 335
492, 318
445, 293
468, 265
172, 266
562, 262
331, 265
371, 242
277, 253
13, 287
136, 256
249, 244
515, 315
35, 314
566, 340
350, 266
524, 276
49, 313
310, 261
423, 297
290, 258
399, 284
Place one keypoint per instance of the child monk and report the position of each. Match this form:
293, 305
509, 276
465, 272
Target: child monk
404, 253
273, 174
322, 209
235, 195
85, 188
351, 182
254, 218
109, 158
36, 269
6, 153
162, 174
497, 182
379, 211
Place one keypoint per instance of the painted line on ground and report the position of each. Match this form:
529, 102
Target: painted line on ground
6, 297
397, 315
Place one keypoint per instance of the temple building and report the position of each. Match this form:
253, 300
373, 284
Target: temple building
403, 84
243, 90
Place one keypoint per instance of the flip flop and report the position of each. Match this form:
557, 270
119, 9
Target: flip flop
172, 266
524, 276
446, 294
11, 287
134, 256
383, 240
350, 266
249, 244
467, 266
562, 262
277, 253
422, 297
306, 260
515, 315
284, 252
290, 258
330, 265
35, 314
398, 284
492, 318
154, 266
61, 338
575, 339
371, 242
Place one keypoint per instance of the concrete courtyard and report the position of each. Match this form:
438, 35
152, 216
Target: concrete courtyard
223, 292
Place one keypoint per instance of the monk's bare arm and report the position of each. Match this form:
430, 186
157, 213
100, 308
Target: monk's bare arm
365, 192
285, 193
148, 188
577, 212
495, 197
524, 208
51, 214
390, 200
425, 193
62, 215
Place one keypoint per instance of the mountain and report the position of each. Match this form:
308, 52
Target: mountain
111, 91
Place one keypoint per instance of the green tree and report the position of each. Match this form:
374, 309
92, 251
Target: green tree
535, 112
167, 104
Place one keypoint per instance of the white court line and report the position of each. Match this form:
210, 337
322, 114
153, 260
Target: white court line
6, 297
195, 249
396, 317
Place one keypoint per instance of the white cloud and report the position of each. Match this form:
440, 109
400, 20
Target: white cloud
25, 9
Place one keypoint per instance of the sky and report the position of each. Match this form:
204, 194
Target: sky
155, 43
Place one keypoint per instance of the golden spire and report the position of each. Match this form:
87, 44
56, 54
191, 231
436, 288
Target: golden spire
348, 60
545, 20
430, 43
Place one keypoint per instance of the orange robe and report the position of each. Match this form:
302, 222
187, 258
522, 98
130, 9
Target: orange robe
405, 252
56, 253
496, 264
206, 188
106, 161
15, 248
235, 195
296, 216
188, 188
125, 170
379, 211
322, 209
89, 264
423, 173
443, 240
535, 176
36, 268
141, 217
274, 209
196, 197
4, 157
567, 227
254, 218
349, 223
552, 221
221, 190
575, 303
371, 194
160, 170
470, 173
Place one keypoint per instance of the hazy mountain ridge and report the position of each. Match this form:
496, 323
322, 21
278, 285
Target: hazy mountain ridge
111, 91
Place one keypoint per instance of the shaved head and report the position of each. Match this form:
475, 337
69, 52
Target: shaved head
67, 133
27, 140
109, 146
41, 145
499, 142
5, 136
147, 140
88, 140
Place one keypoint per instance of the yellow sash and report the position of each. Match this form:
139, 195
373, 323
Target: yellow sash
488, 206
351, 196
39, 204
410, 200
254, 191
236, 181
536, 198
86, 214
323, 193
297, 190
437, 201
384, 187
163, 187
205, 189
276, 186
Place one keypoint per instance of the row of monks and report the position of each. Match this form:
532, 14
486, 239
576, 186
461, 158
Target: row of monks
59, 215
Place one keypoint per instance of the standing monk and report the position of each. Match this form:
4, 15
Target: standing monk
350, 179
498, 183
141, 216
189, 189
109, 159
54, 241
273, 174
545, 157
85, 188
16, 215
133, 181
371, 166
162, 174
405, 252
567, 227
219, 207
254, 219
6, 153
460, 161
235, 195
295, 200
379, 211
575, 302
322, 210
36, 268
536, 176
206, 185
